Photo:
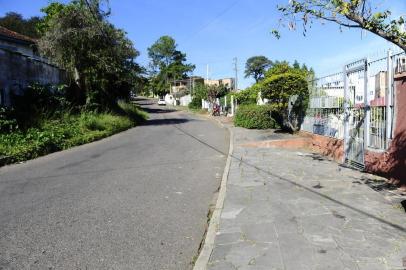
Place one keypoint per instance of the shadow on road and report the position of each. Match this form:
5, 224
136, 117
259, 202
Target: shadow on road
157, 110
166, 121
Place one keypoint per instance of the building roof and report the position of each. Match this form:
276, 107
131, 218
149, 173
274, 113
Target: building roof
8, 34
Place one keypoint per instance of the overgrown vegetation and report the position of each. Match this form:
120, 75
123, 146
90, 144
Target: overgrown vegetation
99, 58
43, 121
255, 117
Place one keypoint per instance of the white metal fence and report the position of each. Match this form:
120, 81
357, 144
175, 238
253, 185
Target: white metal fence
361, 97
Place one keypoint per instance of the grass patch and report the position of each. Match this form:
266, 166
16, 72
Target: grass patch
53, 135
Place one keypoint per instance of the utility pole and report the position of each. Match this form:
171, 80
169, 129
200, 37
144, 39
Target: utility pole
236, 74
207, 73
190, 85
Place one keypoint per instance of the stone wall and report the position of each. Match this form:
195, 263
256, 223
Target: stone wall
17, 71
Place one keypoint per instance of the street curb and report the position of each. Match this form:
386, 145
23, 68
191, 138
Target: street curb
208, 246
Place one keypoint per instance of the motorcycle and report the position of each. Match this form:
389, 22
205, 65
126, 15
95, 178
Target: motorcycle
216, 110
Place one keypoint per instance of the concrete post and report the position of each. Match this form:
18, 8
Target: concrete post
232, 105
346, 106
389, 99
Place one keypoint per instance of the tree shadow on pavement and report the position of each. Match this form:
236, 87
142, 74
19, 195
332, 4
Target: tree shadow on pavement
165, 121
308, 189
157, 110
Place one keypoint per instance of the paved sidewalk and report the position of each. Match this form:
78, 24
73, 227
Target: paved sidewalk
288, 209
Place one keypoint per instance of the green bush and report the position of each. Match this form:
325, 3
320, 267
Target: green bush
195, 104
279, 88
248, 96
255, 117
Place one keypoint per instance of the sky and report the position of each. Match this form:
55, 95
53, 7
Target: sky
213, 32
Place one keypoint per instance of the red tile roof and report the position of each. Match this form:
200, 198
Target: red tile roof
14, 35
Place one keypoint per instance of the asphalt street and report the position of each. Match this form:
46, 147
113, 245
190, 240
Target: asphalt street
136, 200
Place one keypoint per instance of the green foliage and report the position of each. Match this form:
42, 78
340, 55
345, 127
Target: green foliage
98, 56
15, 22
228, 97
167, 64
200, 91
280, 87
51, 12
361, 14
38, 102
196, 103
64, 132
256, 67
255, 117
281, 83
215, 91
8, 123
248, 96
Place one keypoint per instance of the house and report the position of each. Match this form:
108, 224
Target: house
13, 41
185, 85
21, 66
381, 82
229, 83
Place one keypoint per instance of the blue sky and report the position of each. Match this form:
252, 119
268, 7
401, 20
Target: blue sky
214, 32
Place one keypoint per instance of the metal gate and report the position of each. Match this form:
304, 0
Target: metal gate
355, 109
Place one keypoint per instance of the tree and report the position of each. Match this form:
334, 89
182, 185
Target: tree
296, 65
215, 91
15, 22
98, 56
361, 14
256, 67
167, 64
281, 83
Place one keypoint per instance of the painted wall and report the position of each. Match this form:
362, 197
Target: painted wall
17, 71
392, 163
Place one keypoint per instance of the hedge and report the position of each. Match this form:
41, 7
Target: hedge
255, 117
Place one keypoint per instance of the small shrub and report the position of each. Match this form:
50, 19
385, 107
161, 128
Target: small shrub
255, 117
195, 104
248, 96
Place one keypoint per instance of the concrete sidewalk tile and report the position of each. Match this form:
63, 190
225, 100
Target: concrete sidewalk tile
301, 211
296, 251
259, 233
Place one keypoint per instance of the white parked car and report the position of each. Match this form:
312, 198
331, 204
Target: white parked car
161, 102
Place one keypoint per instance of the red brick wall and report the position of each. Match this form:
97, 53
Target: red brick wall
331, 147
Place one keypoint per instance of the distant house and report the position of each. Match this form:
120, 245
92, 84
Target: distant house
229, 83
16, 42
185, 86
381, 81
21, 66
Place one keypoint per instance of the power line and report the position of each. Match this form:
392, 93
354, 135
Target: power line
213, 20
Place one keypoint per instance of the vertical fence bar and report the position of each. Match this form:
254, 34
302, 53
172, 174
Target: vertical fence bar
367, 110
388, 99
346, 113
